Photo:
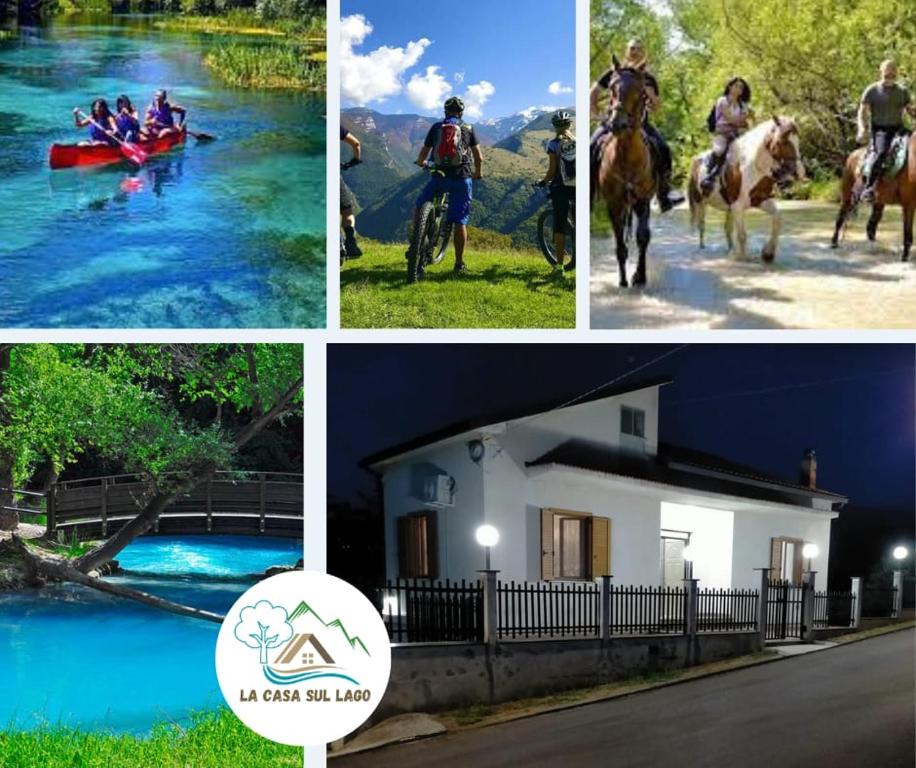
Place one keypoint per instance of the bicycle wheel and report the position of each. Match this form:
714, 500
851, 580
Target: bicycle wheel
418, 252
545, 236
570, 264
438, 252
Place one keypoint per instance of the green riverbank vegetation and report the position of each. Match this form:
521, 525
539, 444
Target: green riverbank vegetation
285, 39
209, 740
810, 60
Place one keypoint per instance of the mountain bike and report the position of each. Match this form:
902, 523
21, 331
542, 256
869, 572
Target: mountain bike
545, 232
431, 235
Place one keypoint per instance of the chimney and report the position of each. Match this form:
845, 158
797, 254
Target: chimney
807, 475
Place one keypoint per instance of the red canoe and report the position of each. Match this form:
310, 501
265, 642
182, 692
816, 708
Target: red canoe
71, 155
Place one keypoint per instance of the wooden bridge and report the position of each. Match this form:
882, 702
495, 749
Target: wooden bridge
243, 503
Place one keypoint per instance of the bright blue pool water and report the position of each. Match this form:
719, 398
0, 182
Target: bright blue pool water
223, 234
74, 656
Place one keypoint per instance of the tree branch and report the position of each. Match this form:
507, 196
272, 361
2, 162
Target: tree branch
280, 407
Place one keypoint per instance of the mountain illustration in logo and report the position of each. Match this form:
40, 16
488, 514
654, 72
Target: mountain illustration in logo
309, 647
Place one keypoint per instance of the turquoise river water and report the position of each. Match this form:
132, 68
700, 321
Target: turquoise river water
222, 234
73, 656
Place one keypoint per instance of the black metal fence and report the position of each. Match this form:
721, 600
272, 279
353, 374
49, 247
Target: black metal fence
429, 612
784, 610
547, 609
648, 610
878, 602
833, 609
727, 610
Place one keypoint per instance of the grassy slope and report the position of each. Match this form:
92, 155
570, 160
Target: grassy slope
502, 289
213, 740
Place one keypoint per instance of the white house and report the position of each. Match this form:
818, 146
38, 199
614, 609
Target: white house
580, 490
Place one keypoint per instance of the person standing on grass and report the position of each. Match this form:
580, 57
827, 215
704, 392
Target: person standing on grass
561, 178
347, 200
452, 148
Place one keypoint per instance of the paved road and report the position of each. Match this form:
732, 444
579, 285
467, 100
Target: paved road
847, 707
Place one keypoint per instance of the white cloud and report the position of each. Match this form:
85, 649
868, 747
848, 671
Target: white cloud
428, 92
556, 88
475, 96
375, 76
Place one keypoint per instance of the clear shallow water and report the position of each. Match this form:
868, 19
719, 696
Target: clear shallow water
224, 234
73, 656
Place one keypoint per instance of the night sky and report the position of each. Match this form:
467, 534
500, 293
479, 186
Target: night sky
760, 405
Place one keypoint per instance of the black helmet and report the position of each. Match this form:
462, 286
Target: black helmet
454, 105
560, 118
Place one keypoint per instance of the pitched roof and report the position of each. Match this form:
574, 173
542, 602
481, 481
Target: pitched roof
471, 424
683, 468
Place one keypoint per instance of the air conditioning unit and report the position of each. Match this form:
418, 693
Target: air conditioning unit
439, 491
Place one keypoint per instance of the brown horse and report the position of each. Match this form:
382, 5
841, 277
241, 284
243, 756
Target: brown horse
900, 190
626, 177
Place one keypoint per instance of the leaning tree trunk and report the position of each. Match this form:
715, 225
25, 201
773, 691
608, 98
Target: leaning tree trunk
6, 457
59, 569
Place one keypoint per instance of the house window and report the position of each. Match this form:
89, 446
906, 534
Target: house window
418, 546
632, 421
574, 545
786, 559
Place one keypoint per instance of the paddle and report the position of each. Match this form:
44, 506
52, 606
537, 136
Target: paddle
131, 151
200, 136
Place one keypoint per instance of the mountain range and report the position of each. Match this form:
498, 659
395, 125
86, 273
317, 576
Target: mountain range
387, 182
304, 610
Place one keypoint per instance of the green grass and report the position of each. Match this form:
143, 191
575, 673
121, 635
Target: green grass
285, 65
246, 22
502, 289
211, 740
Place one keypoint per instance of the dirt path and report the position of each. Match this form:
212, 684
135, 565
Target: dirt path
859, 285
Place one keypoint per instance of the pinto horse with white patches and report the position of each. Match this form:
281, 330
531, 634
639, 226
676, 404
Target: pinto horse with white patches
762, 160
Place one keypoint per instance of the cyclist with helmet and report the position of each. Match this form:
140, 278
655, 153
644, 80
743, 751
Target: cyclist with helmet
451, 146
347, 199
561, 178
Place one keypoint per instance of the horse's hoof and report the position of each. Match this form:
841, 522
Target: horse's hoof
768, 256
834, 244
639, 279
623, 283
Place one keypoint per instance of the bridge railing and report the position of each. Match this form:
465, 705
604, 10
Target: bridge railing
231, 502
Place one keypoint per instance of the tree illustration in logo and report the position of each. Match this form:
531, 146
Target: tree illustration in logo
263, 626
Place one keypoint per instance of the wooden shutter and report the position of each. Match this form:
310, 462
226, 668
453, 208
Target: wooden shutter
432, 546
776, 558
547, 558
601, 547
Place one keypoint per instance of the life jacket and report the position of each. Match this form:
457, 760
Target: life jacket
566, 161
452, 145
128, 126
162, 115
98, 133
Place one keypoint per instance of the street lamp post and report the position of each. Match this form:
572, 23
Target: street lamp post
810, 551
487, 536
900, 553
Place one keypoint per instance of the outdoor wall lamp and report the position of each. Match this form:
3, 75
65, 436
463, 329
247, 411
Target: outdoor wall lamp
476, 450
900, 553
688, 555
487, 536
809, 552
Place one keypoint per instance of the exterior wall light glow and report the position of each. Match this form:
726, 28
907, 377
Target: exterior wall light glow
900, 553
810, 551
487, 536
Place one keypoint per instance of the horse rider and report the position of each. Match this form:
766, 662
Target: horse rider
635, 58
728, 119
882, 107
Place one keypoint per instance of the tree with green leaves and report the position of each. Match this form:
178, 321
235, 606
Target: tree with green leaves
157, 410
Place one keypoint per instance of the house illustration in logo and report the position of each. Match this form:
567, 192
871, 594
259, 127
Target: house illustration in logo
299, 655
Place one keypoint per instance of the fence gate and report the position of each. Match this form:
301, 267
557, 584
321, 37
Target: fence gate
785, 610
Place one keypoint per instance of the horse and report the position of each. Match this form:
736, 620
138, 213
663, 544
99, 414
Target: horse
765, 158
626, 174
900, 190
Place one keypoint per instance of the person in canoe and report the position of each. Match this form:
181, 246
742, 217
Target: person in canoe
160, 116
127, 122
102, 127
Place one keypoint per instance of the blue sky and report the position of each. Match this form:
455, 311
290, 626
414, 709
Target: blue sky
501, 57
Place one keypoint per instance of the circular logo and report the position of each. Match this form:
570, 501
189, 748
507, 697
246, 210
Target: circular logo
303, 658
